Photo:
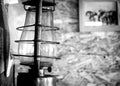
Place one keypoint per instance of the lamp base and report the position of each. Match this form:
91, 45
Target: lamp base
25, 79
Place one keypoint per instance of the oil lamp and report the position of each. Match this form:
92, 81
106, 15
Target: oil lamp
37, 46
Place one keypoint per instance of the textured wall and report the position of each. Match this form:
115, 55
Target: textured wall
87, 59
90, 58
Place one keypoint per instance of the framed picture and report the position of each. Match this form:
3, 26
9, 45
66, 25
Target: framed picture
99, 15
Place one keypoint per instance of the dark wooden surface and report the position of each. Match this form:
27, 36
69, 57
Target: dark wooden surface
4, 39
7, 81
4, 47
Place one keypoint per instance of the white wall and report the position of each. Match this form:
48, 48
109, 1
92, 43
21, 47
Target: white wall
16, 18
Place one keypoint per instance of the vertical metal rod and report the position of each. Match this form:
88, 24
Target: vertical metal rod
38, 19
52, 24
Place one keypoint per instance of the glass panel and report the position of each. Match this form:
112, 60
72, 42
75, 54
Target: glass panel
45, 49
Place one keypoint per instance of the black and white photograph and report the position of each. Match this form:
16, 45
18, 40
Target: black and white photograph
100, 13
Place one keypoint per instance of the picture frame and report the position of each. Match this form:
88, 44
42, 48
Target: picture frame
99, 15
